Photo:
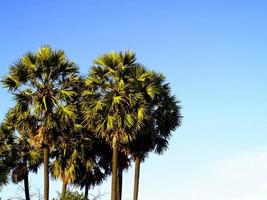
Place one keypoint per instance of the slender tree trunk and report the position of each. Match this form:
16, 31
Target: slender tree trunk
86, 191
119, 184
26, 186
114, 171
64, 188
46, 174
136, 177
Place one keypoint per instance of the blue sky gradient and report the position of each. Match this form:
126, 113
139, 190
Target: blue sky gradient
214, 55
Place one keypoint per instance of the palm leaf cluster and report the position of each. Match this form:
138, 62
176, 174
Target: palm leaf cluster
82, 129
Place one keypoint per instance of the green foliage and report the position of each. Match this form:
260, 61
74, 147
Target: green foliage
43, 84
114, 103
120, 103
71, 196
165, 114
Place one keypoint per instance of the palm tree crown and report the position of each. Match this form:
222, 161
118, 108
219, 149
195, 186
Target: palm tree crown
113, 107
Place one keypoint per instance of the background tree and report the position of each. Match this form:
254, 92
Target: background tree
63, 167
79, 157
95, 163
165, 117
5, 169
20, 157
41, 84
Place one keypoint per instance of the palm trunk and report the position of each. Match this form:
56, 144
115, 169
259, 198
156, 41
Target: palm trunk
114, 171
136, 177
64, 188
86, 191
26, 186
119, 184
46, 174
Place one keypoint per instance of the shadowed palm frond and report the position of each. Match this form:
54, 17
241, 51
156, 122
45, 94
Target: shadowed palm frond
3, 177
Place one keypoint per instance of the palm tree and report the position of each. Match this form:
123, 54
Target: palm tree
93, 165
77, 150
113, 108
63, 167
78, 154
82, 161
154, 136
5, 136
25, 160
42, 84
20, 158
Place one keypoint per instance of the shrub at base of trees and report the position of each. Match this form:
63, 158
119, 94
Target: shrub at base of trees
71, 196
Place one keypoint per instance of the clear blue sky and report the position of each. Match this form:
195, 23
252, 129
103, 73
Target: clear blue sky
214, 55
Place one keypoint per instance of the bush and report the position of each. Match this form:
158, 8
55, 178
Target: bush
72, 196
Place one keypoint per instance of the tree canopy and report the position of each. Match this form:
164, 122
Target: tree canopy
83, 128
